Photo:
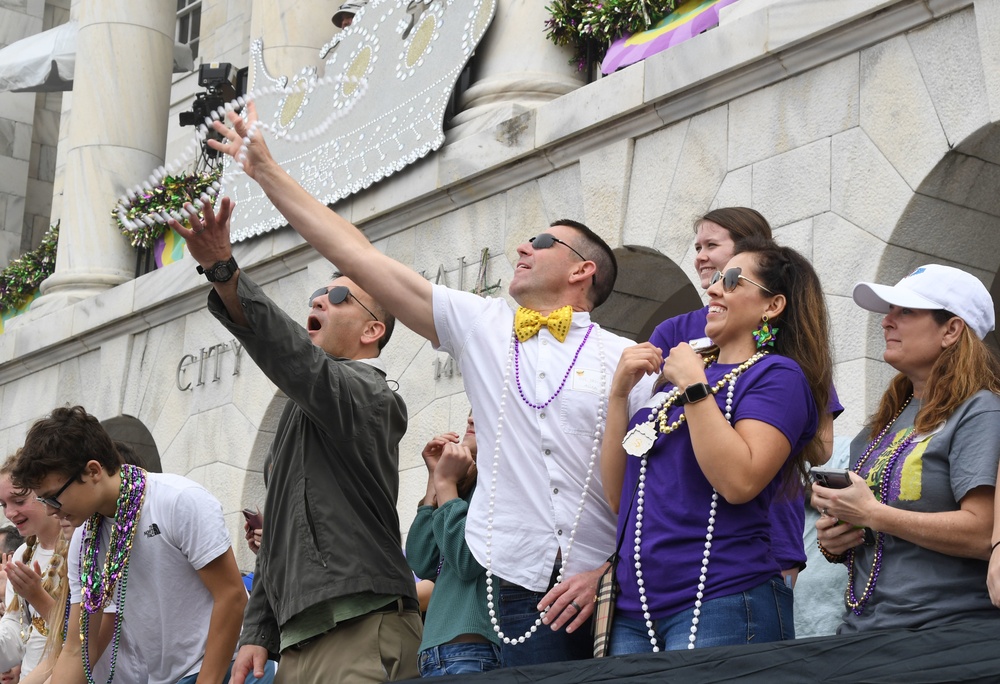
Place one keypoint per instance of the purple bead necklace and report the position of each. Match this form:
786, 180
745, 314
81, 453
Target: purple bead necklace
857, 605
517, 371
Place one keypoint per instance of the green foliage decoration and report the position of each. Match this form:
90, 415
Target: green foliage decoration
23, 276
591, 26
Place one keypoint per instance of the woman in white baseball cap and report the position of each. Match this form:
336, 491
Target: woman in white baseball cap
914, 526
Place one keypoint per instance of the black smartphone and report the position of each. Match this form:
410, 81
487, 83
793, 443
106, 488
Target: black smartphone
253, 517
834, 478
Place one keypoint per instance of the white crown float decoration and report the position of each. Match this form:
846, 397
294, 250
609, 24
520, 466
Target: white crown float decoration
387, 81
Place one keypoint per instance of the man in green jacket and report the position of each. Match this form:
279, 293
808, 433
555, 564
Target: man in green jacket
331, 578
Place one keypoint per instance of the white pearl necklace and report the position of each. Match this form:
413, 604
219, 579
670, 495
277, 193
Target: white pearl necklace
668, 399
594, 451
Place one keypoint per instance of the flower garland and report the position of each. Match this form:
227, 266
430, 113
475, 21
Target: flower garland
165, 198
23, 276
590, 26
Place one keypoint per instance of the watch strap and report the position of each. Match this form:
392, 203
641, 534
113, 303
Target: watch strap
696, 392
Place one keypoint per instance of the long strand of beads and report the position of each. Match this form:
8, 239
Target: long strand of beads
98, 587
595, 450
857, 605
669, 400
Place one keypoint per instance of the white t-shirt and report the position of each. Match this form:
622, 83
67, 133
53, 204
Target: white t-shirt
545, 452
167, 608
14, 648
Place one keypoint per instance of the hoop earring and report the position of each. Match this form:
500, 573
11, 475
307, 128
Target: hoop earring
765, 333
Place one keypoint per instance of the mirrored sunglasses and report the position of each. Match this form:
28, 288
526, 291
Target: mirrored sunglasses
337, 295
732, 277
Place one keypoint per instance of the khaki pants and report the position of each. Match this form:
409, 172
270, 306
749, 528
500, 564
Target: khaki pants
375, 648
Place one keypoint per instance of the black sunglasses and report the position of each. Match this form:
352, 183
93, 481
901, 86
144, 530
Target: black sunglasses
732, 277
546, 240
338, 294
53, 501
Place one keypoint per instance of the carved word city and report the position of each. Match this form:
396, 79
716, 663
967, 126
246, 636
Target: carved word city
195, 370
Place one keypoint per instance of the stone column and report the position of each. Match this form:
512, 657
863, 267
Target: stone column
117, 136
516, 66
293, 32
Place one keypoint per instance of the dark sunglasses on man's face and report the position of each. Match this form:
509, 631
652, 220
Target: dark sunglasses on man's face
732, 277
337, 295
546, 240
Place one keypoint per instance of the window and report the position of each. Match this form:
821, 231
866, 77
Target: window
189, 24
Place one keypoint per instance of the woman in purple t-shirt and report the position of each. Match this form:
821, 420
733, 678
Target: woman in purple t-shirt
696, 469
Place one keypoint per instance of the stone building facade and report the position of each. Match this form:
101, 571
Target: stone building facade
865, 130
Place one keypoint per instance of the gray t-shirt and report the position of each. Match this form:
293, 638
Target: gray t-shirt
917, 587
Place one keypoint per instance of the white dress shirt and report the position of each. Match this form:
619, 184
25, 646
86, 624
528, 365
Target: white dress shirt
544, 453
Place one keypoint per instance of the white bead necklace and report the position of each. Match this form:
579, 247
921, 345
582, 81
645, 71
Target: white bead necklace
668, 400
595, 450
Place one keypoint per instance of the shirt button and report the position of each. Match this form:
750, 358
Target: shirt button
559, 532
548, 452
545, 342
541, 375
542, 416
555, 491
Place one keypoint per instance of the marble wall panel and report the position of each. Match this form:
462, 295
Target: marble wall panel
794, 185
13, 175
701, 168
843, 254
988, 32
944, 231
897, 112
947, 52
562, 197
29, 398
487, 149
525, 214
605, 177
736, 189
149, 396
590, 105
794, 112
798, 236
865, 189
655, 162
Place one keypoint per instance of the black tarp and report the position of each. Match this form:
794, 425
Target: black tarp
966, 652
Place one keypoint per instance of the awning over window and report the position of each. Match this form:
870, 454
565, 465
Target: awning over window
43, 63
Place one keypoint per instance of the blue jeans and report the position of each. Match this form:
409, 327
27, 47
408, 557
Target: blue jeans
460, 658
268, 677
517, 613
755, 616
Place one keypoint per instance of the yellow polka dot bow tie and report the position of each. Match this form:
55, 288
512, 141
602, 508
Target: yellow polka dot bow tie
527, 323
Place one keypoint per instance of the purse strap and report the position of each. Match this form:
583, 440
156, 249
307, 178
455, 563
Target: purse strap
613, 558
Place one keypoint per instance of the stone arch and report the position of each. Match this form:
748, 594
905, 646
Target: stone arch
253, 493
649, 289
953, 218
135, 434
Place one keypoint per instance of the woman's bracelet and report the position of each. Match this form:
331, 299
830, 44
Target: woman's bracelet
831, 557
994, 547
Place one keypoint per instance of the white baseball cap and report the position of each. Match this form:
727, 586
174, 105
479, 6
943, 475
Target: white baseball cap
934, 286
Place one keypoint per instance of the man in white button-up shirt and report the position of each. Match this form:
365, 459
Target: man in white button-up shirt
539, 508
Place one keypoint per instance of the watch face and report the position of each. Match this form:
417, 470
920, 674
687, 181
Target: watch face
222, 273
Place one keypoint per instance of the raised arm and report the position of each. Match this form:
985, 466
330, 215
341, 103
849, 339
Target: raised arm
402, 291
